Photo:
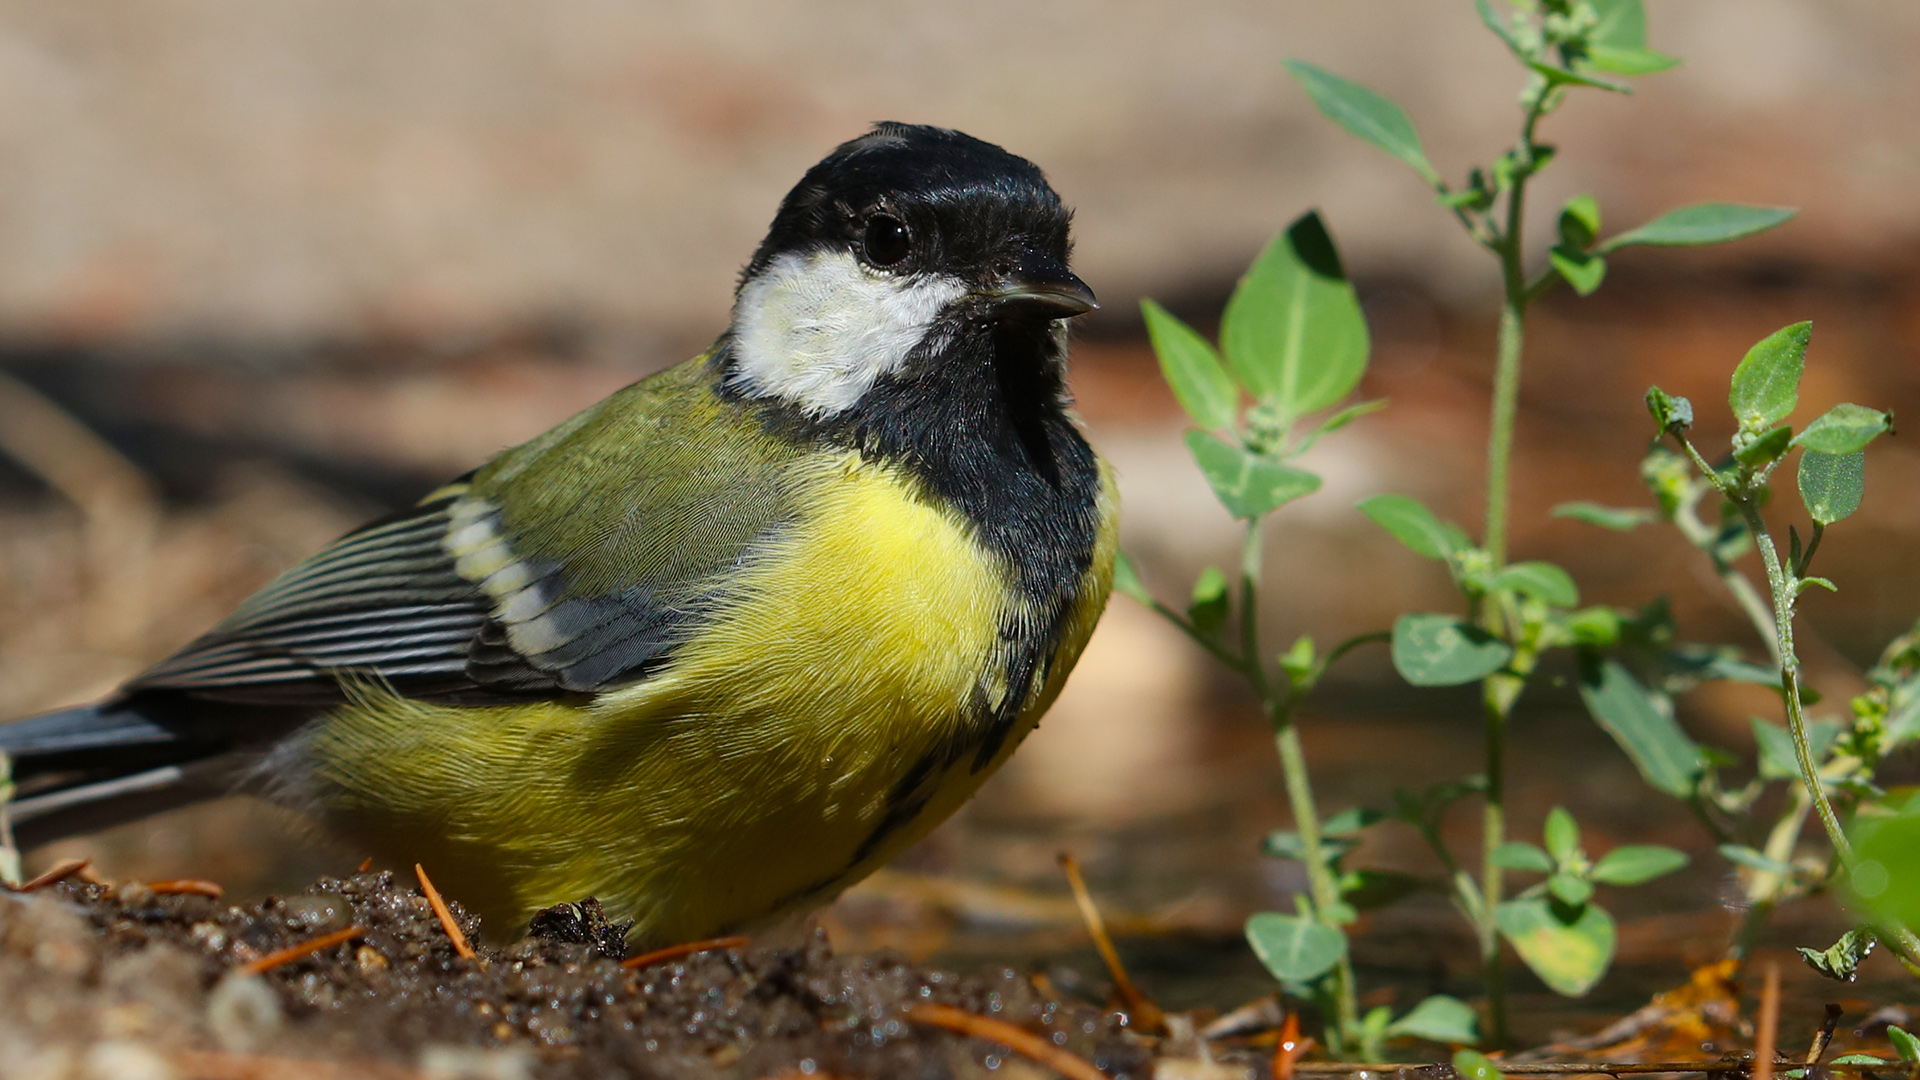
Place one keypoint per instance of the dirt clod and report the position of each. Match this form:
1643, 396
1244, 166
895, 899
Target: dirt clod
584, 923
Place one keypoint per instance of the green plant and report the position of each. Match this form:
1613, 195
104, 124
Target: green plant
1294, 342
1516, 611
1630, 682
1830, 758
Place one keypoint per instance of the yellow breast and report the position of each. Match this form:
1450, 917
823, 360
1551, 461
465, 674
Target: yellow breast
746, 777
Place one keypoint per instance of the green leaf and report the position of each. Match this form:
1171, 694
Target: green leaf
1570, 889
1295, 949
1414, 525
1247, 484
1615, 61
1778, 760
1475, 196
1670, 411
1541, 580
1615, 518
1520, 855
1632, 864
1350, 821
1363, 113
1440, 650
1299, 660
1766, 385
1562, 835
1559, 76
1618, 41
1763, 448
1885, 878
1752, 859
1208, 608
1569, 954
1619, 23
1473, 1065
1440, 1019
1858, 1059
1904, 1043
1293, 332
1192, 369
1349, 414
1593, 626
1126, 580
1579, 222
1702, 223
1831, 484
1841, 960
1844, 429
1642, 724
1583, 270
1286, 844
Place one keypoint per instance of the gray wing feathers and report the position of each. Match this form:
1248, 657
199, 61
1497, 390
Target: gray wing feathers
434, 603
385, 601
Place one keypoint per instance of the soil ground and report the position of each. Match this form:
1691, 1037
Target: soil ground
120, 981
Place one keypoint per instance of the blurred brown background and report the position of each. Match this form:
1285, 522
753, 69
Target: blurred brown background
267, 268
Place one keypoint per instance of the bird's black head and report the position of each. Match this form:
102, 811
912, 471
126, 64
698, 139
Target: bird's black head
898, 240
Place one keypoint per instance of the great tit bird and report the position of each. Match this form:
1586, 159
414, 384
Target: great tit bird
720, 645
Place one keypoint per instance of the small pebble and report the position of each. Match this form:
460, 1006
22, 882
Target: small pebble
244, 1013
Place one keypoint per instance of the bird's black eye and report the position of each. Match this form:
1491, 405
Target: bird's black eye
886, 241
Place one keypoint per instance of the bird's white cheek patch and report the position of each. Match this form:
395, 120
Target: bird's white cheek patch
817, 330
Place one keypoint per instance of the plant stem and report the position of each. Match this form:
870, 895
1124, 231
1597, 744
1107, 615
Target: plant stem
1325, 891
1293, 768
1900, 939
1515, 295
1506, 400
1783, 603
1498, 698
1501, 690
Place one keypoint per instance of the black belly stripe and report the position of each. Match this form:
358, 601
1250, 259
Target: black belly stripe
978, 416
908, 798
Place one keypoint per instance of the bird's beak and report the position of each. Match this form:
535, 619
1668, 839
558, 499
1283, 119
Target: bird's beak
1039, 285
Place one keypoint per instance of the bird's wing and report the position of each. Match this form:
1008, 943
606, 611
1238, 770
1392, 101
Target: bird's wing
384, 601
571, 563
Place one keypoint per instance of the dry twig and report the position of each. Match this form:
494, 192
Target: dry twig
294, 952
675, 952
1769, 1025
1019, 1040
1287, 1052
1146, 1015
53, 875
188, 887
445, 916
1824, 1037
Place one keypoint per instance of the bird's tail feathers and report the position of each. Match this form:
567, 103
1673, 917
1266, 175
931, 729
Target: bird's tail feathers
91, 766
